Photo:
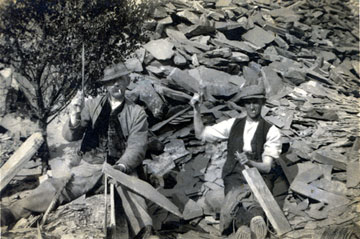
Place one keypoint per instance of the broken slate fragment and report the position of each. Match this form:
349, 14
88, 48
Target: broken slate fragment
189, 16
221, 52
196, 30
161, 49
239, 57
183, 79
166, 21
330, 157
192, 210
273, 83
147, 94
259, 36
179, 59
223, 3
134, 65
217, 83
353, 175
160, 165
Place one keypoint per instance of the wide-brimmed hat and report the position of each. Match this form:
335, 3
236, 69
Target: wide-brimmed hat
115, 71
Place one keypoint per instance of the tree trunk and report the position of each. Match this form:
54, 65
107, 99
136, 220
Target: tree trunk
44, 152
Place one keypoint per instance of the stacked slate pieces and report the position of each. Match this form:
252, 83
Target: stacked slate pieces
306, 54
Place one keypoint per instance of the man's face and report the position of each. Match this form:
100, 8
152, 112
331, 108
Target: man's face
117, 87
253, 107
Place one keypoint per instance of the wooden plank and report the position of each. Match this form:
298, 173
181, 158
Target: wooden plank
142, 188
17, 161
318, 194
266, 200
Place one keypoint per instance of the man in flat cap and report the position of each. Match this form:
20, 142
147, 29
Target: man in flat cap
251, 141
114, 130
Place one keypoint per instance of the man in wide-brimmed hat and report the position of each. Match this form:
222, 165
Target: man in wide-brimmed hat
114, 130
251, 141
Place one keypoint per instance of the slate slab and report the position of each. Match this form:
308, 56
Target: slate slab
189, 16
161, 49
184, 80
217, 83
259, 36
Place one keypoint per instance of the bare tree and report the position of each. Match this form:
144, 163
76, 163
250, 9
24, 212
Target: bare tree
42, 40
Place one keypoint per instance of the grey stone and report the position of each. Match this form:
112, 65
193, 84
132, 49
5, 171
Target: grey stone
216, 15
140, 53
159, 13
251, 75
146, 93
196, 30
239, 57
221, 40
217, 83
190, 16
273, 83
184, 80
161, 49
166, 21
192, 210
221, 52
213, 62
179, 60
258, 36
134, 65
223, 3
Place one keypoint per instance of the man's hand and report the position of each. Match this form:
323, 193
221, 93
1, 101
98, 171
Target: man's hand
120, 167
242, 158
76, 106
195, 102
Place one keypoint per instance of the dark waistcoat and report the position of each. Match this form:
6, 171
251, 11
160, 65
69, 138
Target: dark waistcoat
236, 143
105, 139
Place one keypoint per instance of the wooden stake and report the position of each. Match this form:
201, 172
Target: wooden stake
105, 214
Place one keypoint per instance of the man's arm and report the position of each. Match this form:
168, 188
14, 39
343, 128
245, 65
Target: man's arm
137, 140
264, 166
78, 121
272, 150
198, 123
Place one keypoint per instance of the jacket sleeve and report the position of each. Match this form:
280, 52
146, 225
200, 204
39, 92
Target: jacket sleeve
136, 141
76, 132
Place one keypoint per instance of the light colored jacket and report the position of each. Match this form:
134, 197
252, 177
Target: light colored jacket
133, 123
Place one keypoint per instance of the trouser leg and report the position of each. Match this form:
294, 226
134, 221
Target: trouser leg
85, 176
229, 209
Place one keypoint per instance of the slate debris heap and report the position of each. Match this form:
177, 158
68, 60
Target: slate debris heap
307, 55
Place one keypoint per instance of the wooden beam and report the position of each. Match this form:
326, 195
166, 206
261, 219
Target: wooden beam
142, 188
267, 201
318, 194
17, 161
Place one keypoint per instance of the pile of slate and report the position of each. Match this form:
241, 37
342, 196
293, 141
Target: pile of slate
305, 52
